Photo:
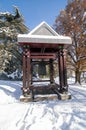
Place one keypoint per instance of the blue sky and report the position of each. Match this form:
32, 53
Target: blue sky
35, 11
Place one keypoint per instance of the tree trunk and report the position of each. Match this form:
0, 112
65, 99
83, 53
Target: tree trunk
77, 76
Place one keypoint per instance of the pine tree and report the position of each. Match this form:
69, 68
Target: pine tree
10, 55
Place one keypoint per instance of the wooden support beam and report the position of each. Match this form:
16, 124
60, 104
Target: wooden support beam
32, 87
43, 56
41, 80
49, 58
37, 62
51, 71
65, 69
24, 70
28, 71
31, 71
39, 54
62, 70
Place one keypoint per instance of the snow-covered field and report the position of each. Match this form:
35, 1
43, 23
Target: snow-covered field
42, 115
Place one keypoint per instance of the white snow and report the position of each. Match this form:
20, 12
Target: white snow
44, 39
42, 115
15, 74
4, 13
84, 15
54, 38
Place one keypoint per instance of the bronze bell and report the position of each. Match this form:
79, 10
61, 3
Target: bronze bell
42, 68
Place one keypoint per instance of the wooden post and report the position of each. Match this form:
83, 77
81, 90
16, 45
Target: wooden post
65, 70
31, 71
24, 72
62, 70
28, 72
51, 71
60, 65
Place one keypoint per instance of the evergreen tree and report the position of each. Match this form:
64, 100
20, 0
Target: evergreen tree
10, 53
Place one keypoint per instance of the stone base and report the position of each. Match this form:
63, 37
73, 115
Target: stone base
65, 96
26, 98
40, 97
45, 97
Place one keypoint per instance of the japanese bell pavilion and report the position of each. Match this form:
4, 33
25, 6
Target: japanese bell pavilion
42, 46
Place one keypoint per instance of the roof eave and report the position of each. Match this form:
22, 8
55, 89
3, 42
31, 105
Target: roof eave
45, 39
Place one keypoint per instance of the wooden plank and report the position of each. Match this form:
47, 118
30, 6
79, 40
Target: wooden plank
43, 57
47, 54
40, 80
40, 45
37, 62
32, 87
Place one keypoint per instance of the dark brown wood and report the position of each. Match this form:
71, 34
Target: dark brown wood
24, 71
28, 70
41, 80
31, 64
43, 57
51, 71
60, 65
43, 54
64, 69
37, 62
41, 45
32, 57
42, 86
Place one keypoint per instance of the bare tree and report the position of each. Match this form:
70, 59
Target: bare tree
72, 22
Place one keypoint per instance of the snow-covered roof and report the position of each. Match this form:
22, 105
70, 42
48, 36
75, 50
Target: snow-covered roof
43, 33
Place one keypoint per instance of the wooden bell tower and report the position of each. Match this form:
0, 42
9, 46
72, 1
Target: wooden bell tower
43, 46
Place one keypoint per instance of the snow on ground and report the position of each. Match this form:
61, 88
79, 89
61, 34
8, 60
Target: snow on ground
42, 115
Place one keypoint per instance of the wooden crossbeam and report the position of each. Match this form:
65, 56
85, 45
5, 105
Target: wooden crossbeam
41, 80
43, 56
42, 87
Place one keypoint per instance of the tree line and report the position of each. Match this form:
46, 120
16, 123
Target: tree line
71, 22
